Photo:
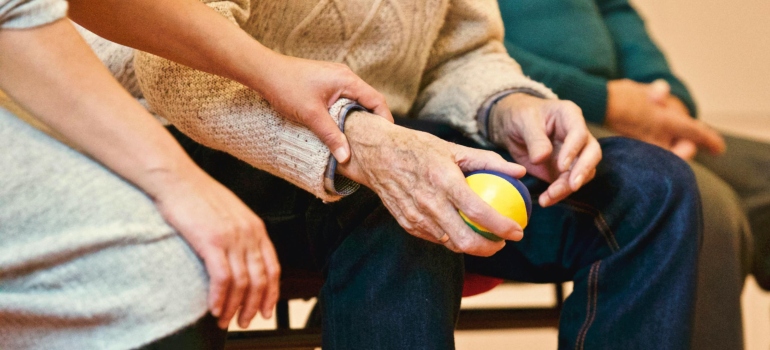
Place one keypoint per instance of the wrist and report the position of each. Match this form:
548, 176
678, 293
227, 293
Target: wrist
615, 102
365, 133
500, 114
170, 176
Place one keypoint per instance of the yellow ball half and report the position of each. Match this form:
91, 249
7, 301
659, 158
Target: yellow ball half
505, 194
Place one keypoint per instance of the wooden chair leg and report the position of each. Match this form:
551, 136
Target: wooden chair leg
282, 314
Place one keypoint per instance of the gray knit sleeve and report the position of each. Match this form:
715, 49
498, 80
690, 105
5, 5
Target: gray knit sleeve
19, 14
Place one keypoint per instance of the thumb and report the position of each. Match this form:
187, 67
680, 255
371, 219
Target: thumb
684, 149
658, 91
324, 127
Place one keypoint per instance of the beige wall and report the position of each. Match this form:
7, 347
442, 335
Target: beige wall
720, 48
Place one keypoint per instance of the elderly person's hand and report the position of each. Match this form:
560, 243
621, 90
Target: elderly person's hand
550, 139
648, 112
419, 178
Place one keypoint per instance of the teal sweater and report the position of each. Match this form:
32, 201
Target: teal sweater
576, 46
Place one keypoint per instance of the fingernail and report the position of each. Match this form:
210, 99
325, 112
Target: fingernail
216, 311
577, 182
341, 154
517, 235
566, 164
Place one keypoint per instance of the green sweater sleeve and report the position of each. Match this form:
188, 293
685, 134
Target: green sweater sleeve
570, 83
639, 58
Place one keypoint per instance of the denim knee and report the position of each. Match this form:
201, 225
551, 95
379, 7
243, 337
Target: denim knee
654, 184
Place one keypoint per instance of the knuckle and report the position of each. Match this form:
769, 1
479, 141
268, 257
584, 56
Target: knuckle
223, 277
259, 284
241, 281
274, 274
464, 245
415, 219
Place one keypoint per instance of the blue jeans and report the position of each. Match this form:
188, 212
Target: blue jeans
629, 239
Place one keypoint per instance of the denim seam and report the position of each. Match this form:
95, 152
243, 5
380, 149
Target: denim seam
599, 222
593, 296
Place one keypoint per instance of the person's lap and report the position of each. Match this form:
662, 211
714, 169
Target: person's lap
726, 253
340, 237
81, 250
745, 168
376, 274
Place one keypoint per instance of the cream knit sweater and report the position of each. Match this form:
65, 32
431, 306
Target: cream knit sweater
433, 59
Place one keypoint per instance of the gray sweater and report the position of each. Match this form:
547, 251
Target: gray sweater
86, 261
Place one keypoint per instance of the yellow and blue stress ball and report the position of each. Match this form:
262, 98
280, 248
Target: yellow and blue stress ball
504, 193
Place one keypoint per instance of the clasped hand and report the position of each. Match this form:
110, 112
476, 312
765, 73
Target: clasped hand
648, 112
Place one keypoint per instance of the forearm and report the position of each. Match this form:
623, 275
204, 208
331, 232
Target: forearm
192, 34
570, 83
53, 75
468, 66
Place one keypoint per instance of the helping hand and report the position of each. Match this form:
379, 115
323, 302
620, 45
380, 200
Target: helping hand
419, 178
550, 139
232, 241
303, 91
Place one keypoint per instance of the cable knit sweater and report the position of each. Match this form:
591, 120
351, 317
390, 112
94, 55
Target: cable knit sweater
433, 59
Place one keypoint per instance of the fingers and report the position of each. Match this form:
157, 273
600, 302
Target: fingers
539, 146
368, 97
480, 212
273, 271
240, 282
219, 280
581, 172
256, 289
684, 149
558, 190
323, 126
589, 158
658, 91
471, 159
698, 132
263, 276
576, 140
445, 219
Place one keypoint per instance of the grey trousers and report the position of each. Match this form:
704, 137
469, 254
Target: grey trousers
735, 191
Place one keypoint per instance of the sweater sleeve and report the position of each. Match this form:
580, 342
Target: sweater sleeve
639, 58
19, 14
469, 65
227, 116
570, 83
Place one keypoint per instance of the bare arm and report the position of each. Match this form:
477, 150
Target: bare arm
53, 75
192, 34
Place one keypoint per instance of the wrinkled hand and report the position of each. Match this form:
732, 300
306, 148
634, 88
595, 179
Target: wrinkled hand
648, 112
232, 241
304, 90
550, 139
419, 178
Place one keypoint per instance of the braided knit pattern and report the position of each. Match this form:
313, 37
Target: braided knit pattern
434, 59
